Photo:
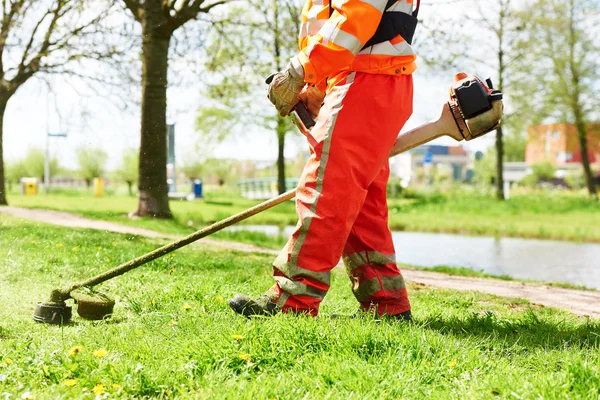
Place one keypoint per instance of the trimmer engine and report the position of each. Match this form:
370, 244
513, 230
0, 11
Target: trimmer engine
476, 106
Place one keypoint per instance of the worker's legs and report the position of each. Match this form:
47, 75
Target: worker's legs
350, 146
370, 258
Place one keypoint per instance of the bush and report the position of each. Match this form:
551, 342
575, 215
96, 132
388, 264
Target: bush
540, 172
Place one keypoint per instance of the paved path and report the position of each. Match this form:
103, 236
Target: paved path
581, 302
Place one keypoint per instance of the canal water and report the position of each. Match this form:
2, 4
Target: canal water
541, 260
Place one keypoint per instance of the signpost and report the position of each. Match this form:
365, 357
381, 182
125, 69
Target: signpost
171, 157
47, 159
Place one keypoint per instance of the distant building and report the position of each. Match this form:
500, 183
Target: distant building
559, 144
454, 159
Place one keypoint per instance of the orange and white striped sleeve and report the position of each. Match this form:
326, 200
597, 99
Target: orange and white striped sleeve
339, 38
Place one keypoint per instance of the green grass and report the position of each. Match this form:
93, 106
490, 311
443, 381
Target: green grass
173, 336
543, 215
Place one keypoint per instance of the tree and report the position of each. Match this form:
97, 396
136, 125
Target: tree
563, 37
255, 41
514, 147
91, 163
45, 36
33, 164
14, 171
485, 36
159, 20
128, 170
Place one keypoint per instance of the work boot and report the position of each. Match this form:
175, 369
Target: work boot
405, 316
251, 306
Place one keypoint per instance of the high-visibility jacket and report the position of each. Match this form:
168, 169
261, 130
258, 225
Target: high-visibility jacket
333, 33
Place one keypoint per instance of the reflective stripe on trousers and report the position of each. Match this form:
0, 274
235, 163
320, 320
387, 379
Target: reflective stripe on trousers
341, 198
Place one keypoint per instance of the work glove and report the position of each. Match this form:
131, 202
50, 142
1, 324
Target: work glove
286, 86
312, 98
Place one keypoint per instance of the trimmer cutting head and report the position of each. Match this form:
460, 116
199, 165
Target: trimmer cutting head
52, 313
90, 305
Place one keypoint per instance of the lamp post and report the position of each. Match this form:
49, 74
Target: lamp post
47, 159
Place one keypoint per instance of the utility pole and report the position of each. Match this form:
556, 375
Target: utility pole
47, 159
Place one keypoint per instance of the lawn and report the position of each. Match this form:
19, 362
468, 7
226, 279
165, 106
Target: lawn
173, 336
543, 215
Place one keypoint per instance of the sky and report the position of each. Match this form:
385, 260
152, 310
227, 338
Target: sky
90, 120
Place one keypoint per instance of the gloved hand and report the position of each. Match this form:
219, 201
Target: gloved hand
286, 86
312, 98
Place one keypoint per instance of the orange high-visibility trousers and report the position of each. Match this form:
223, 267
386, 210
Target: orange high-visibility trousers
341, 199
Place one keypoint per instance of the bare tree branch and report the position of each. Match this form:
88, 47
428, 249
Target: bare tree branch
135, 7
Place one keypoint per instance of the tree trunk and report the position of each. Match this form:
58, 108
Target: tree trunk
280, 156
153, 188
130, 187
585, 160
499, 164
3, 201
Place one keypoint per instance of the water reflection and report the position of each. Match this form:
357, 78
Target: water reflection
543, 260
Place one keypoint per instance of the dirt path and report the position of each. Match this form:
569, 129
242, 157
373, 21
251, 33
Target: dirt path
579, 302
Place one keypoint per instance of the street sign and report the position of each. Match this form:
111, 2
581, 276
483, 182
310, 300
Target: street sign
428, 159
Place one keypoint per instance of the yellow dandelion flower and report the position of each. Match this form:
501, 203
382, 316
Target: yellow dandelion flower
59, 245
244, 357
34, 242
173, 255
219, 299
116, 386
70, 382
171, 270
100, 353
75, 350
75, 249
99, 248
8, 361
237, 337
98, 389
173, 323
452, 364
186, 307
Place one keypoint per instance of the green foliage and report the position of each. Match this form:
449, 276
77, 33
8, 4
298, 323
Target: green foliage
540, 172
575, 179
485, 169
14, 171
91, 163
173, 336
31, 166
514, 146
543, 170
128, 171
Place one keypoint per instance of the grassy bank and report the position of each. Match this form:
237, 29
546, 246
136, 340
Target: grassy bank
543, 215
172, 334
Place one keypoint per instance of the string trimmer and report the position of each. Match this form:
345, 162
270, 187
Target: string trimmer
473, 110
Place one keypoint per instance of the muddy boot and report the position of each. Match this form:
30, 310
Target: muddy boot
250, 306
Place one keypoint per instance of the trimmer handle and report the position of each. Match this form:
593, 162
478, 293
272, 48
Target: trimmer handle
300, 110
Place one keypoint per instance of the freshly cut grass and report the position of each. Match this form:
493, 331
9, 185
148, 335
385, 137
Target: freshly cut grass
173, 336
